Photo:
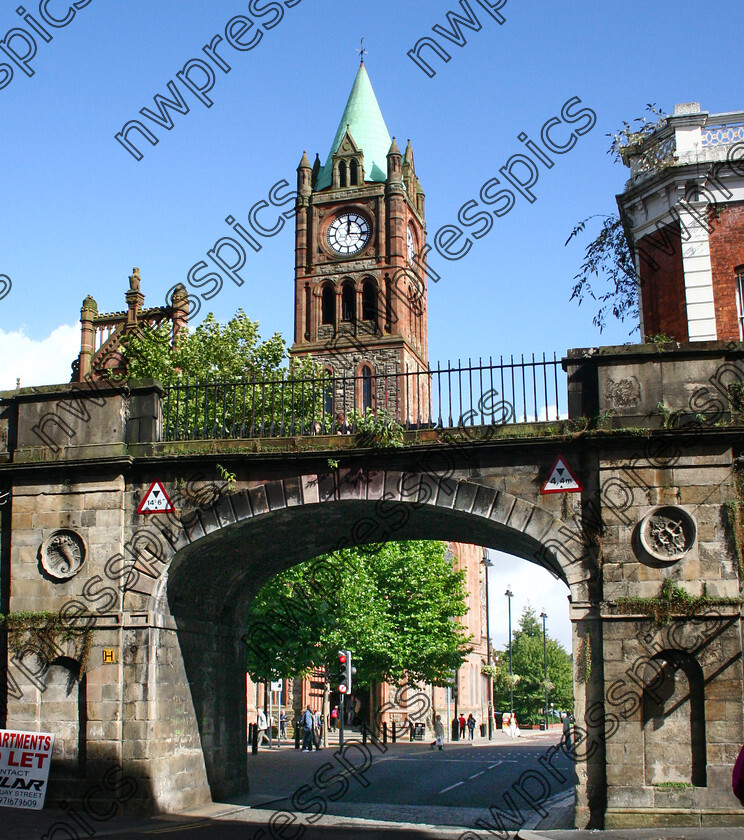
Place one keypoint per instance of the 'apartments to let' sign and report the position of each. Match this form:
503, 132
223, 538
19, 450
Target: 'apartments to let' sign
24, 768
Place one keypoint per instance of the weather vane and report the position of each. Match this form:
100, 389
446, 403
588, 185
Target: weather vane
362, 52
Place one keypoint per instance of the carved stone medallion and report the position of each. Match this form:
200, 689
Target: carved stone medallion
668, 533
624, 393
62, 554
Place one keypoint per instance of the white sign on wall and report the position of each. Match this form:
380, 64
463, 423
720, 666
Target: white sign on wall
24, 768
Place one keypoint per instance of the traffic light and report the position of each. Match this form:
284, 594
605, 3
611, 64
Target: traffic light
344, 677
350, 670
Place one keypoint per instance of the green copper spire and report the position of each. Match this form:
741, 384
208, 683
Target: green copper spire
367, 127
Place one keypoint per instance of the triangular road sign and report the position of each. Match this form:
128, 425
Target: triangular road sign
156, 500
561, 479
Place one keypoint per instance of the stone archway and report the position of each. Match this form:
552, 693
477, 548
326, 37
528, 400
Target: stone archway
228, 550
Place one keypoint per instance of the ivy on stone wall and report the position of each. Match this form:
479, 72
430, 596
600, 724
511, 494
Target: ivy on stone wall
45, 631
672, 601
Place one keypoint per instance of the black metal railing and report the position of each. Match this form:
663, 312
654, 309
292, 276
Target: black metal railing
486, 393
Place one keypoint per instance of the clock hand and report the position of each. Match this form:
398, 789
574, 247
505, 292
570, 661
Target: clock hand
348, 225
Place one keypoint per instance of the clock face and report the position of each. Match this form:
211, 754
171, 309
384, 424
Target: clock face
348, 233
411, 247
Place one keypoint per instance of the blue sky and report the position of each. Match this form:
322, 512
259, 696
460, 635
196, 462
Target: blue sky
78, 211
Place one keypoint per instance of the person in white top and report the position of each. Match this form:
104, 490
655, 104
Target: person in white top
262, 727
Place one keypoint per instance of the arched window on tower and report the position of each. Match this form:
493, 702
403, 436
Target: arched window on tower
348, 302
369, 301
328, 304
366, 387
342, 174
354, 172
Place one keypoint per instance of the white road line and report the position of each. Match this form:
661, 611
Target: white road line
457, 784
475, 775
491, 766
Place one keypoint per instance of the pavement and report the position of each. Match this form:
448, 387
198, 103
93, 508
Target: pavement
248, 820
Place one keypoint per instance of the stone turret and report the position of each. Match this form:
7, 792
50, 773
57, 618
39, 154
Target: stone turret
102, 334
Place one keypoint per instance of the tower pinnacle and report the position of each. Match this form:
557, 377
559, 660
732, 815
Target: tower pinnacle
362, 52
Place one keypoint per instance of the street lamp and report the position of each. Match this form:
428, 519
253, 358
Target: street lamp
487, 563
544, 616
509, 594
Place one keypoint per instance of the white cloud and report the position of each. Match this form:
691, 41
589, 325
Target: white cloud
43, 362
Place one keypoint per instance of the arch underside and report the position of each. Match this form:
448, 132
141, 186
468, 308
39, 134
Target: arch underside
218, 575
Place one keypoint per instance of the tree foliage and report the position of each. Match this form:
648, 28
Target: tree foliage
529, 673
221, 365
608, 274
208, 352
607, 259
391, 604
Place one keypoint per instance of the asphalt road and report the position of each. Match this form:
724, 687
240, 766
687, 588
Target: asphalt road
410, 782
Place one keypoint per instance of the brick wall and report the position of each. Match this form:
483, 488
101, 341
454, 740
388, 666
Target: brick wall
726, 253
663, 287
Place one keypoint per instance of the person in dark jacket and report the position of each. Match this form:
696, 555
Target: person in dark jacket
471, 725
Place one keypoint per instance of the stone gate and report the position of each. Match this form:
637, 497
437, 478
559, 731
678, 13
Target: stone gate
139, 664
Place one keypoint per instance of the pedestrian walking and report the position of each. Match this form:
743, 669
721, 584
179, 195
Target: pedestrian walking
463, 724
334, 718
471, 725
283, 724
567, 729
317, 730
439, 733
307, 723
514, 727
262, 727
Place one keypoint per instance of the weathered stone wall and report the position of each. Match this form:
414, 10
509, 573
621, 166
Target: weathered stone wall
168, 593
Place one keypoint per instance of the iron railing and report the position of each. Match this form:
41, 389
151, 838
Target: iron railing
482, 394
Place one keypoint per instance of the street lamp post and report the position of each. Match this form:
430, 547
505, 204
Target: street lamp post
487, 563
509, 594
544, 616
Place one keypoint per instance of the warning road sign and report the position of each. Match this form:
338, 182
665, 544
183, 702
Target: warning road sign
561, 479
156, 500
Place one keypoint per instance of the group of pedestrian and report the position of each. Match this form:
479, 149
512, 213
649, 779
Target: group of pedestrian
459, 725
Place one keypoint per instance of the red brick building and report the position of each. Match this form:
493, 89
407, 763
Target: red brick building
683, 208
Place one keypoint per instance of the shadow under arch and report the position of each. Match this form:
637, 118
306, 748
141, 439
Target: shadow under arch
230, 549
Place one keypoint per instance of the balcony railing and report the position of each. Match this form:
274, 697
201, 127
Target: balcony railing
482, 394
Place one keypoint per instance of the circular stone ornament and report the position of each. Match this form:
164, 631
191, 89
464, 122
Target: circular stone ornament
63, 554
668, 533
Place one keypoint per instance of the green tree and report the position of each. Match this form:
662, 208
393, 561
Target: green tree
390, 604
221, 364
210, 351
529, 673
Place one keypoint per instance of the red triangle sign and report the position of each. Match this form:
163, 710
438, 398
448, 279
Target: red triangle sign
156, 500
561, 479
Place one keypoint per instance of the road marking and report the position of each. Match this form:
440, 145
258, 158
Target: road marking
491, 766
451, 787
475, 775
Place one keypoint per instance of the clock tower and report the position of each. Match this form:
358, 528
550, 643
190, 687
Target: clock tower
360, 276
